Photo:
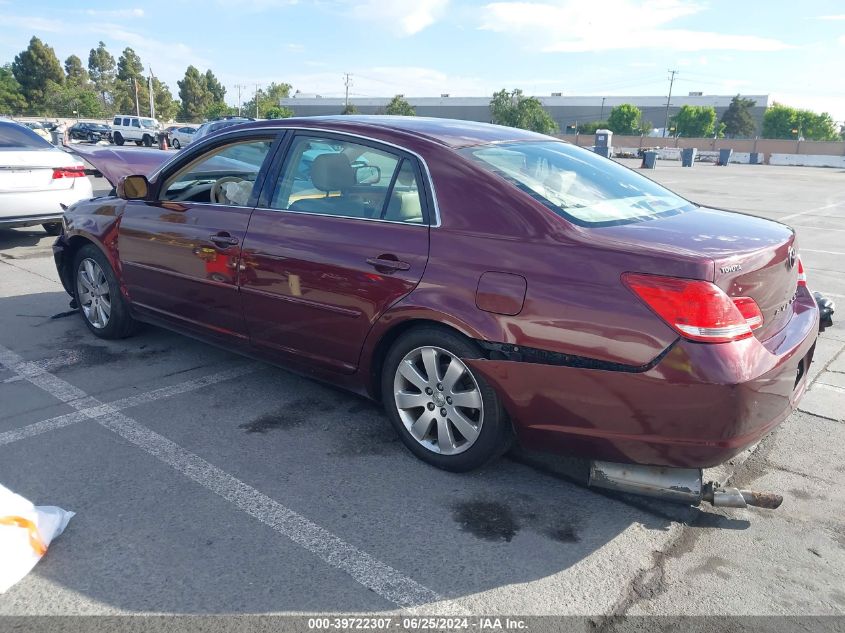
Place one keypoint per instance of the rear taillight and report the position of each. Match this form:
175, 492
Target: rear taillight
802, 276
74, 171
697, 310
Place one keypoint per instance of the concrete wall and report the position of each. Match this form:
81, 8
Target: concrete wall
808, 160
762, 146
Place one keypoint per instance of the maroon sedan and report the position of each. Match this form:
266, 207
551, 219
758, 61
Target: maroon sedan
485, 283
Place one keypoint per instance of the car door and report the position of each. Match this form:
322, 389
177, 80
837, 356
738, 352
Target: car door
340, 236
180, 249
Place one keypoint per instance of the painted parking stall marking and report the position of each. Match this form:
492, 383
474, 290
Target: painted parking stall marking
370, 572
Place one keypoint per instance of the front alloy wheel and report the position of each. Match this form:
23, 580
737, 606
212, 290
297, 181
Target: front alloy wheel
92, 289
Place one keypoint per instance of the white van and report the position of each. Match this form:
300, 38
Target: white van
127, 127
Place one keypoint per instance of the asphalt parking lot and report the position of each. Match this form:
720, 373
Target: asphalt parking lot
207, 483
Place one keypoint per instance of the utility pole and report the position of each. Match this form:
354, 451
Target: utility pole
152, 101
137, 105
346, 100
257, 86
601, 116
239, 86
669, 100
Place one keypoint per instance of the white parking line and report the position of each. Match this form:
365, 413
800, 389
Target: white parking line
96, 409
370, 572
813, 250
810, 211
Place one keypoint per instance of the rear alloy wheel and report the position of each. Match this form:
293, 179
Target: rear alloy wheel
445, 413
53, 228
118, 138
98, 296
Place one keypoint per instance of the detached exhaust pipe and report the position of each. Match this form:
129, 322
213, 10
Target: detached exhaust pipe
682, 485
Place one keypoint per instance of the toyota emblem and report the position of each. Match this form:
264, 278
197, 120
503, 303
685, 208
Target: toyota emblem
791, 258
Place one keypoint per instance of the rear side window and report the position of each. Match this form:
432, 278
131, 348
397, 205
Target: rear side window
116, 121
14, 136
126, 122
583, 187
346, 179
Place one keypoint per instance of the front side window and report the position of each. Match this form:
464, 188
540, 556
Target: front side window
135, 123
581, 186
224, 175
342, 178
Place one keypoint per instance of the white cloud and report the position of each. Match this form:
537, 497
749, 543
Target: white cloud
295, 48
600, 25
116, 13
405, 17
31, 23
168, 60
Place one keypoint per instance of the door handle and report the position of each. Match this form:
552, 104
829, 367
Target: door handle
387, 263
224, 239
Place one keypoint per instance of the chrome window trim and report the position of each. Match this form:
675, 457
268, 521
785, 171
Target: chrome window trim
433, 225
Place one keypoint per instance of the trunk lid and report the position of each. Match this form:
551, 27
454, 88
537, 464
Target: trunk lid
115, 162
751, 256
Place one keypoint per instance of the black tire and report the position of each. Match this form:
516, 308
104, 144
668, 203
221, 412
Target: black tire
120, 323
495, 435
118, 138
139, 143
147, 140
176, 144
52, 228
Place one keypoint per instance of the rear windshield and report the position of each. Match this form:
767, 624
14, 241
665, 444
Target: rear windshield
579, 185
14, 136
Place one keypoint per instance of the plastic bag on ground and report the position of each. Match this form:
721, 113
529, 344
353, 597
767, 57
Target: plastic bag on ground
26, 532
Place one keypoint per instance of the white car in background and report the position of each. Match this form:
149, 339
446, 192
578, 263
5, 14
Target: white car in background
182, 136
36, 179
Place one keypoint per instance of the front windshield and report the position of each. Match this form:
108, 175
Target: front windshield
583, 187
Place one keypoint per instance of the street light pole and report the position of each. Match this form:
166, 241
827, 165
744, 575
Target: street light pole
669, 100
601, 116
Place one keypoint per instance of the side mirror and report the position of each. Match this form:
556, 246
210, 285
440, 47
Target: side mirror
367, 174
133, 187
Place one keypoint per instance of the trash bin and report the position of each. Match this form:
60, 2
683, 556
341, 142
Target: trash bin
688, 155
725, 157
649, 160
754, 158
605, 151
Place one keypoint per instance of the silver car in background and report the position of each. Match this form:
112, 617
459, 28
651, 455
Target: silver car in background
36, 179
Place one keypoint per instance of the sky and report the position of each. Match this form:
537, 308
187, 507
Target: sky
791, 50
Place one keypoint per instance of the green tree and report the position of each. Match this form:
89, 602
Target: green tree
278, 112
737, 118
35, 69
514, 109
219, 109
101, 69
75, 72
12, 100
349, 109
590, 127
215, 89
130, 77
129, 65
625, 119
71, 99
399, 107
194, 95
780, 120
696, 122
267, 99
